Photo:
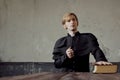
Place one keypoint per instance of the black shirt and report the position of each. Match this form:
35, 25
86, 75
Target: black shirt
82, 44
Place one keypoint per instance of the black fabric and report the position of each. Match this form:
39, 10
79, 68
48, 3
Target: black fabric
82, 44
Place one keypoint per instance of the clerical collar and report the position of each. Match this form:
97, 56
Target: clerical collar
77, 33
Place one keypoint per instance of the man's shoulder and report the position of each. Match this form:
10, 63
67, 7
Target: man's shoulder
61, 39
88, 35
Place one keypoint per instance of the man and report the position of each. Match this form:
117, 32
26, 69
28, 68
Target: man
71, 53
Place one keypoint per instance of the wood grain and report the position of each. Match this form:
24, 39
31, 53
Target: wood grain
65, 76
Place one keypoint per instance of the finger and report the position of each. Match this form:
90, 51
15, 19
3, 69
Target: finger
71, 51
71, 55
99, 63
69, 47
103, 63
108, 63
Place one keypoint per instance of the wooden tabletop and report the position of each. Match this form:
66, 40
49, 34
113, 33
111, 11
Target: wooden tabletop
64, 76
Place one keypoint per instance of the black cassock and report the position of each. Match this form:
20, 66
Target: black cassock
82, 44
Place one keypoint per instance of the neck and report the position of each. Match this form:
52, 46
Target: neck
72, 33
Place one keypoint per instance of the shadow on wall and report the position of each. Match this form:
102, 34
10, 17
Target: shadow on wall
0, 60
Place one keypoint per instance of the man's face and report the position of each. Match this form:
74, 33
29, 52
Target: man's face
71, 23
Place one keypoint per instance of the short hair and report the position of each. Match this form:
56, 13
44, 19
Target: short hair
65, 16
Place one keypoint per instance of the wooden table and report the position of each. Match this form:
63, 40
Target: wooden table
64, 76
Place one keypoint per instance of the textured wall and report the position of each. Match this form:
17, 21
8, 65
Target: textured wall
29, 28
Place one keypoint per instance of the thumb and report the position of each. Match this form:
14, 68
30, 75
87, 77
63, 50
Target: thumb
70, 47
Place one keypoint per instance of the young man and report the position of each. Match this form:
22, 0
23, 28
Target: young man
71, 53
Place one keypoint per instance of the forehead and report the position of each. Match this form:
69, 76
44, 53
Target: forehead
69, 17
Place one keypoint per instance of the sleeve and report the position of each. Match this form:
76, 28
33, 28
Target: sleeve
95, 49
59, 55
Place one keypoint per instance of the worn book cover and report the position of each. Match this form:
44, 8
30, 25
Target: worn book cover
105, 69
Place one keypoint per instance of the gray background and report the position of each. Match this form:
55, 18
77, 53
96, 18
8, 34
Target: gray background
30, 28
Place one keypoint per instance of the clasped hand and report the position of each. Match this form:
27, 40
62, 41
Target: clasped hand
70, 52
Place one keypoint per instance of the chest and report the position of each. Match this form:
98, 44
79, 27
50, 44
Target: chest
77, 43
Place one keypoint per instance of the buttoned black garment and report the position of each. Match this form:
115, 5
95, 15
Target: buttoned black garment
82, 44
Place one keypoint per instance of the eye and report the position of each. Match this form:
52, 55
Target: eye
73, 19
68, 20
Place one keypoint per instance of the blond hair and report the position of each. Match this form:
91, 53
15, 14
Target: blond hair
65, 17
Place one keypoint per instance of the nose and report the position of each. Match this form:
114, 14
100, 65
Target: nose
71, 21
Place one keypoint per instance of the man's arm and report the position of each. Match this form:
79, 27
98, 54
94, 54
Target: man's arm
61, 59
97, 52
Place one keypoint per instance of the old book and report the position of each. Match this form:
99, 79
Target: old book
105, 68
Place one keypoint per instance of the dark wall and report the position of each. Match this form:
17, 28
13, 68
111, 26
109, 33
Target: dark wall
22, 68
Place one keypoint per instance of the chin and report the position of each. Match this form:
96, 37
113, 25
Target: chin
73, 30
